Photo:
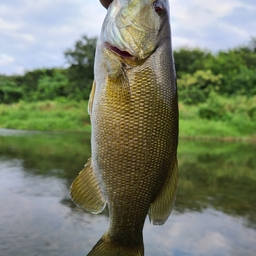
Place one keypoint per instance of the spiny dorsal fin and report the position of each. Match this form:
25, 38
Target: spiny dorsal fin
85, 190
161, 208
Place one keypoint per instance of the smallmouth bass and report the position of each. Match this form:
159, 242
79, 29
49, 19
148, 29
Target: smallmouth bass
134, 115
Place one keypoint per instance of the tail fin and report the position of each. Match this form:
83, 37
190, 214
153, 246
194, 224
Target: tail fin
105, 247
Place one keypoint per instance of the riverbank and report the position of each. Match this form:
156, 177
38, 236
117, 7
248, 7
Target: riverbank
62, 115
46, 116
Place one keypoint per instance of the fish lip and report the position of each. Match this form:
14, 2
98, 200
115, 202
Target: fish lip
117, 51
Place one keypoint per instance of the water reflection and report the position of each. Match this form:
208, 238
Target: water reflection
215, 212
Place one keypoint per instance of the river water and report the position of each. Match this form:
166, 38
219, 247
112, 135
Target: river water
215, 211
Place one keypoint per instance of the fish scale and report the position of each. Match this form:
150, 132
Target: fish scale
134, 116
145, 169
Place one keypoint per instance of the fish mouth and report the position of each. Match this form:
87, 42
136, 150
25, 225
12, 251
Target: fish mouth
114, 49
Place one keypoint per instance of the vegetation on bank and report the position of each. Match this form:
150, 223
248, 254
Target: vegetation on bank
58, 115
217, 117
217, 92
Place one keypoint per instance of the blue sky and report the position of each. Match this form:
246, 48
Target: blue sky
35, 33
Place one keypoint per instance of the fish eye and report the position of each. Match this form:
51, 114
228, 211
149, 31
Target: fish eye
159, 6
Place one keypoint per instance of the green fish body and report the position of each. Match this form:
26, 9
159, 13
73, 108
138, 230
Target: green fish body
134, 116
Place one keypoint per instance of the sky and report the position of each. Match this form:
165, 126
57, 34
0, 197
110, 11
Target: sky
35, 33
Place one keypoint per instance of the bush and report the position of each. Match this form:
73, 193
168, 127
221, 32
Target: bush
51, 87
9, 91
195, 88
228, 109
240, 82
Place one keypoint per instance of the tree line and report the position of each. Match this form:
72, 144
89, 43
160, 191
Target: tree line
199, 73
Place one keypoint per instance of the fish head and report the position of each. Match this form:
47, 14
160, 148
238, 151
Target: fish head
135, 28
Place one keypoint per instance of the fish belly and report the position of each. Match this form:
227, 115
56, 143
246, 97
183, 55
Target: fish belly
134, 143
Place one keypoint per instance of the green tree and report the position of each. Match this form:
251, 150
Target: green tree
9, 90
224, 62
237, 67
239, 82
195, 88
190, 60
248, 53
51, 87
29, 81
81, 69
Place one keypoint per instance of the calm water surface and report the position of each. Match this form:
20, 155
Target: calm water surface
215, 211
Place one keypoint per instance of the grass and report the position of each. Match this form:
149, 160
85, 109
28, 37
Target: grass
199, 127
46, 116
234, 123
62, 115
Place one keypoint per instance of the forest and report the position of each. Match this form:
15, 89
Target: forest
217, 89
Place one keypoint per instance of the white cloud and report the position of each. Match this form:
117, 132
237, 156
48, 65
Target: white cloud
209, 232
40, 31
8, 65
5, 59
218, 8
208, 24
6, 25
34, 31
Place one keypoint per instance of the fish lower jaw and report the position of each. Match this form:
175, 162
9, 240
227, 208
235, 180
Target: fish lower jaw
120, 53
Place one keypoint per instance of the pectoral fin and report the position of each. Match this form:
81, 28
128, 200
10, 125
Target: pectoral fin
90, 103
161, 208
85, 191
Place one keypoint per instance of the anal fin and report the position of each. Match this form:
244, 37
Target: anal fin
161, 208
85, 191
